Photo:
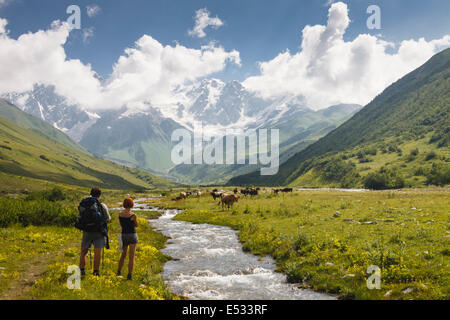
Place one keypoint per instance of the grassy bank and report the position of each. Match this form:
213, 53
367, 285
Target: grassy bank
38, 243
327, 239
148, 283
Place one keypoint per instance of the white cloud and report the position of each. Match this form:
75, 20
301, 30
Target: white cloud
3, 24
150, 71
328, 70
87, 33
146, 73
92, 10
5, 2
39, 58
202, 21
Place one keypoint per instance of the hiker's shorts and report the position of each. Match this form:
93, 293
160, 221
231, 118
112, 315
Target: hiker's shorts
93, 238
129, 238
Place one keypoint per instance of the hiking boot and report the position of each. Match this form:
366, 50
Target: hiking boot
82, 272
119, 273
96, 273
130, 277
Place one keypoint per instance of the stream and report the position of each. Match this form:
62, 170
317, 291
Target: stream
209, 264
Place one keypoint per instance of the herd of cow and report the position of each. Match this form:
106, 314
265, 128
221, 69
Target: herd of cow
285, 190
228, 199
184, 195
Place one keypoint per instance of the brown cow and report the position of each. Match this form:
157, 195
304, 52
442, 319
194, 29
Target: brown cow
228, 200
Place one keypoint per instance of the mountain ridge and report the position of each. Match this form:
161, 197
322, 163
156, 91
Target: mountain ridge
412, 107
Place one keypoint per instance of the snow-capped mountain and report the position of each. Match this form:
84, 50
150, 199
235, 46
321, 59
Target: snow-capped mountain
45, 104
213, 102
223, 105
141, 137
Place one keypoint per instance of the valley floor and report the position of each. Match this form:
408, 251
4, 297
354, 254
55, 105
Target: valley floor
323, 239
328, 239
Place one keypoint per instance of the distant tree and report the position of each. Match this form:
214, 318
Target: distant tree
384, 179
439, 175
430, 156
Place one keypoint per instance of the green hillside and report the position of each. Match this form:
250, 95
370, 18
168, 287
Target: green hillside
47, 155
25, 120
401, 138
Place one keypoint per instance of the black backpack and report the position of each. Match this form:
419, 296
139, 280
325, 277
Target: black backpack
90, 218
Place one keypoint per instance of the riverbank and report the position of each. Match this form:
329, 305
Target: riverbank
326, 240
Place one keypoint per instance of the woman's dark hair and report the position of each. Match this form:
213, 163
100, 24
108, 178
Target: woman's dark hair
96, 192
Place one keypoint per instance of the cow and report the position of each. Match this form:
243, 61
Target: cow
215, 195
235, 191
228, 200
198, 194
250, 191
183, 195
285, 190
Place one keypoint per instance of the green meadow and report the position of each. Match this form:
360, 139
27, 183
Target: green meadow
39, 243
326, 240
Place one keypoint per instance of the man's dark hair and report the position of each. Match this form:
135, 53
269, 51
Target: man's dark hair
96, 192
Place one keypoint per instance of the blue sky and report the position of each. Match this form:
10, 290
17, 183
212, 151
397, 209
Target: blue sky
258, 29
153, 52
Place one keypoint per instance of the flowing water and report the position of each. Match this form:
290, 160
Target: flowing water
210, 264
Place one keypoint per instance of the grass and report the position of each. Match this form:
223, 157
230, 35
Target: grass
324, 240
148, 283
327, 239
34, 258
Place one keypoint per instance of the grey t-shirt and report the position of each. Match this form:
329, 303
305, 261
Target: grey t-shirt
105, 212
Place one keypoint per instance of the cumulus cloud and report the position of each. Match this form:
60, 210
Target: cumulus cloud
202, 21
92, 10
39, 58
328, 70
148, 72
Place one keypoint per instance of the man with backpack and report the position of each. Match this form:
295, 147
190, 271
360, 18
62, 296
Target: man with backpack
92, 220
